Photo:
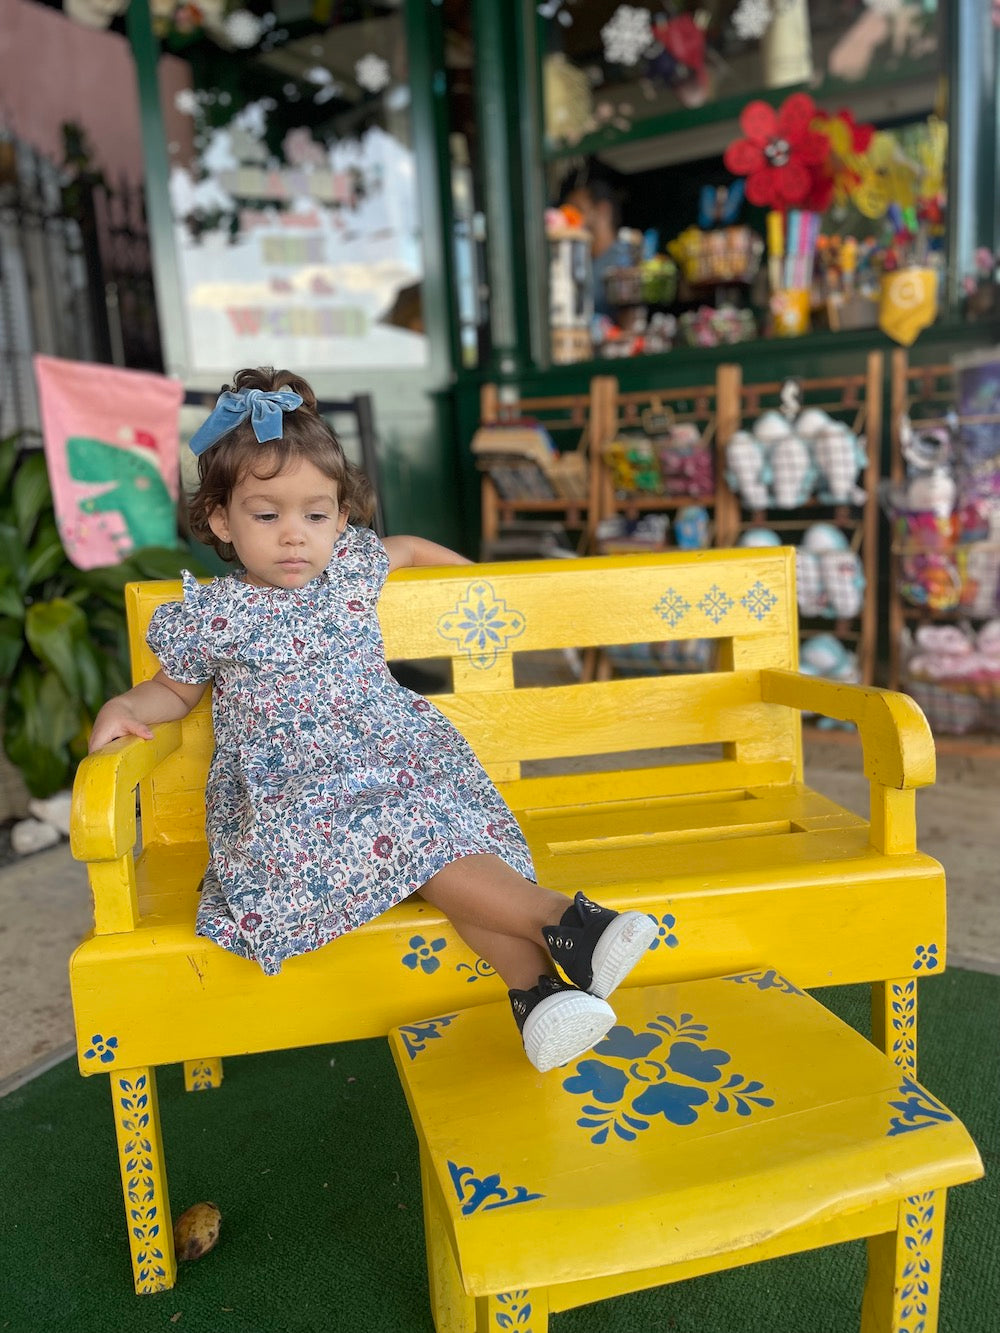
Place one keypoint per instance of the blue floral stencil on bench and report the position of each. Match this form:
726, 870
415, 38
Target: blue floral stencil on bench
716, 604
628, 1086
481, 624
758, 601
416, 1035
485, 1192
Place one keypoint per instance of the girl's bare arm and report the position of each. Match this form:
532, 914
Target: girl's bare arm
135, 712
406, 552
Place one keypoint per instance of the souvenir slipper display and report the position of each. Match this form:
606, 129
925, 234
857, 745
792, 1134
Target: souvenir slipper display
780, 461
944, 512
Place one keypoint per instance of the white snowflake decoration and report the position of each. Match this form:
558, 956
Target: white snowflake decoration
752, 19
627, 35
243, 29
372, 73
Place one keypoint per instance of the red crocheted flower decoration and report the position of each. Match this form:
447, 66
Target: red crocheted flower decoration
781, 157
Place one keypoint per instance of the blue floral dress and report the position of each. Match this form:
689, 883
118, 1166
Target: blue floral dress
333, 792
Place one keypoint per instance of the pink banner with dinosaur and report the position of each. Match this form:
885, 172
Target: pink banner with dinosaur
112, 451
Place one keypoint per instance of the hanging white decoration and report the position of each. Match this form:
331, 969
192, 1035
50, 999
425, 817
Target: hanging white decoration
627, 35
243, 29
372, 73
752, 18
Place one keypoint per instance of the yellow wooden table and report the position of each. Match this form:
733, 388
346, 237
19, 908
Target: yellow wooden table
723, 1121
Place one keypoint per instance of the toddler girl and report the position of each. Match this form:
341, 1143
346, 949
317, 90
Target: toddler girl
333, 791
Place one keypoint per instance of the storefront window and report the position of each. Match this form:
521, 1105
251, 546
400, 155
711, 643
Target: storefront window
295, 210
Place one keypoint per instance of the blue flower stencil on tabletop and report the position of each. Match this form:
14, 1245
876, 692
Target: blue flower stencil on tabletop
423, 954
104, 1049
665, 934
926, 957
630, 1080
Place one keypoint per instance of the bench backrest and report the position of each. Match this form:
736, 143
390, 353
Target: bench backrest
482, 618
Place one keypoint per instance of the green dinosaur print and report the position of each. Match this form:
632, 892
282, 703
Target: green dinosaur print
137, 492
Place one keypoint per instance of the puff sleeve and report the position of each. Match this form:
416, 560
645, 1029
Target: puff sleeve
177, 636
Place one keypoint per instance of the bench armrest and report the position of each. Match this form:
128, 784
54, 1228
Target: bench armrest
896, 741
102, 820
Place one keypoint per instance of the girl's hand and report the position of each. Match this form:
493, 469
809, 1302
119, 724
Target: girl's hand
115, 720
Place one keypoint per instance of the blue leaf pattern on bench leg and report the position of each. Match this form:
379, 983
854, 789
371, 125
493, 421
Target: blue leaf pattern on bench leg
516, 1312
481, 624
917, 1235
143, 1206
904, 1022
474, 1191
627, 1086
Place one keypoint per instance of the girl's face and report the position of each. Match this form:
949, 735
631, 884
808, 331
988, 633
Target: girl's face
283, 528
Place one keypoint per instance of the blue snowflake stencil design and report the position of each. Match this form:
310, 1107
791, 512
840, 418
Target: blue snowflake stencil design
673, 607
758, 601
665, 934
628, 1086
716, 604
101, 1048
485, 1192
423, 954
926, 957
481, 624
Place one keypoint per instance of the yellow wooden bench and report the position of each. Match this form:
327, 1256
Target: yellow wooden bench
740, 863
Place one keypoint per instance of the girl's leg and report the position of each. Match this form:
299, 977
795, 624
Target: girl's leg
518, 962
484, 891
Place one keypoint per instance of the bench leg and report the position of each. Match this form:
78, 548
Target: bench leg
144, 1179
200, 1075
523, 1311
903, 1289
894, 1021
452, 1309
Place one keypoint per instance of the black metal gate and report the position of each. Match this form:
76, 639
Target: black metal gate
75, 275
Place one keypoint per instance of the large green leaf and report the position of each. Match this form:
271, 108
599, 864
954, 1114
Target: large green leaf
11, 602
32, 493
9, 446
11, 645
41, 719
13, 558
54, 631
46, 555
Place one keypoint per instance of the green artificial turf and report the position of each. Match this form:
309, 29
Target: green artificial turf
311, 1158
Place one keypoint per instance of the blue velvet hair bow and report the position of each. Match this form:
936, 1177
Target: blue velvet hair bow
264, 409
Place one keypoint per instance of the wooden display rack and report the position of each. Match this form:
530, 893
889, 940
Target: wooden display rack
856, 400
705, 406
574, 421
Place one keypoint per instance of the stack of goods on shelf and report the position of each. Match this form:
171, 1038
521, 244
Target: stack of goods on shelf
945, 517
571, 285
524, 464
795, 471
677, 461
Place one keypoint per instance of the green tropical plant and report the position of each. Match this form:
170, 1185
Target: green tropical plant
63, 646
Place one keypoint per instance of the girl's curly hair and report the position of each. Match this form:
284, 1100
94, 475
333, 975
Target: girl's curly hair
304, 435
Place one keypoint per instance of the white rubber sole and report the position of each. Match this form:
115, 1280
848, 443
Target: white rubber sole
618, 950
564, 1026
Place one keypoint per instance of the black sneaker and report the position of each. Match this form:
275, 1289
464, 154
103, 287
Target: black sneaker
559, 1022
596, 947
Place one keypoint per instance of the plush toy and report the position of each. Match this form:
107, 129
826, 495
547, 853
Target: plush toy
771, 427
747, 470
809, 583
792, 472
839, 456
930, 486
840, 572
760, 537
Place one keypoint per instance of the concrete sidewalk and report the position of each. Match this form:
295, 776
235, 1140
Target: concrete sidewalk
45, 900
